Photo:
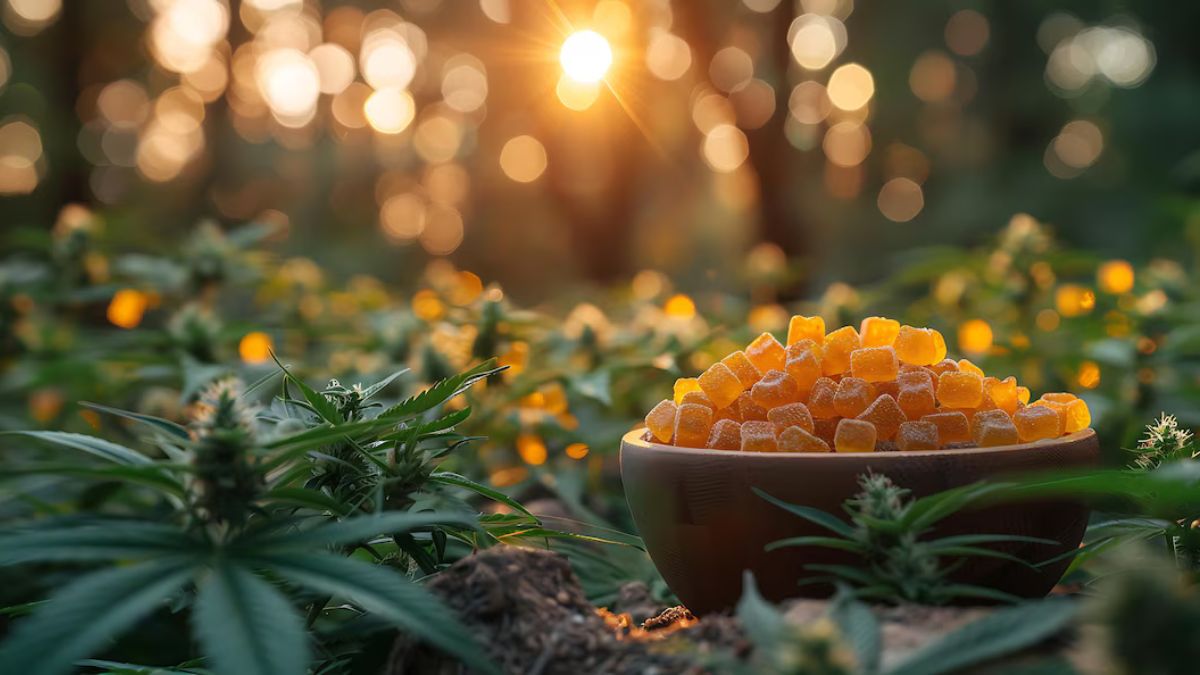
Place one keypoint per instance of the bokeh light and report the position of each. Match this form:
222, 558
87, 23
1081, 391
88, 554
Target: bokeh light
390, 111
851, 87
523, 159
901, 199
585, 56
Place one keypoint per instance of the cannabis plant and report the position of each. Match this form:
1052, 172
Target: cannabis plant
1164, 442
887, 531
254, 522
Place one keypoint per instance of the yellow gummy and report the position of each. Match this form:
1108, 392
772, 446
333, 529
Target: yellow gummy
766, 353
683, 385
874, 364
661, 421
805, 328
960, 390
838, 346
720, 384
878, 331
745, 370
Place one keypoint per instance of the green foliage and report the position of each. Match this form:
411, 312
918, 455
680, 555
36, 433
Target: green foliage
888, 534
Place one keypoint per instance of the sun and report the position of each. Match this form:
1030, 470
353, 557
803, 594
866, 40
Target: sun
585, 56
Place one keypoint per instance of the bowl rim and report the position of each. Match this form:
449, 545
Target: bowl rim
633, 438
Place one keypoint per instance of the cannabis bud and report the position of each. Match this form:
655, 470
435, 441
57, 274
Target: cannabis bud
226, 482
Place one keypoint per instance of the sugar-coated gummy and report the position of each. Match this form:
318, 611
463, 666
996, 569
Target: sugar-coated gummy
683, 385
796, 439
853, 396
953, 427
824, 428
917, 435
758, 437
766, 353
745, 370
806, 345
874, 364
966, 366
878, 331
720, 384
750, 411
805, 369
838, 345
885, 414
805, 327
725, 435
820, 399
916, 346
698, 397
790, 415
994, 431
1003, 393
1036, 422
661, 421
960, 390
776, 388
854, 436
692, 425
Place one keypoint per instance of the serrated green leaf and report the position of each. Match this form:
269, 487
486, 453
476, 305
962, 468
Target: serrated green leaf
85, 614
379, 386
323, 407
97, 447
826, 542
246, 626
455, 480
149, 475
384, 593
356, 530
440, 392
860, 628
764, 624
304, 497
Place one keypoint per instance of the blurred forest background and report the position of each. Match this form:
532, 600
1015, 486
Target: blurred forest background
831, 134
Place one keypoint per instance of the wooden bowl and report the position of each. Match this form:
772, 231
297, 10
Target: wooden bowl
703, 525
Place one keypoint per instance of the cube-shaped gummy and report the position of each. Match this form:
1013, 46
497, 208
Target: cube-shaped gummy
820, 399
750, 411
874, 364
805, 369
693, 422
838, 345
853, 396
806, 327
886, 415
776, 388
1002, 392
993, 430
878, 331
746, 372
916, 397
960, 390
825, 428
917, 346
698, 397
720, 384
759, 437
766, 353
854, 436
917, 435
806, 345
1036, 422
661, 421
965, 366
790, 415
953, 427
795, 439
683, 385
725, 435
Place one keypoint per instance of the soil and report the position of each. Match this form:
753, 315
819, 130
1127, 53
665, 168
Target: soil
527, 607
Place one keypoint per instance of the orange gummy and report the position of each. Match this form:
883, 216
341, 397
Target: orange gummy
749, 410
790, 415
939, 345
824, 428
796, 439
917, 346
720, 384
993, 428
806, 327
725, 435
800, 346
965, 366
854, 436
916, 397
776, 388
1059, 397
661, 421
1077, 417
683, 385
1002, 392
886, 415
730, 412
853, 396
1036, 422
960, 390
758, 437
766, 353
953, 427
805, 369
698, 397
693, 422
878, 331
838, 346
746, 372
874, 364
1023, 395
917, 435
820, 399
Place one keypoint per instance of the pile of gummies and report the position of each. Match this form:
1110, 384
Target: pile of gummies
882, 387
